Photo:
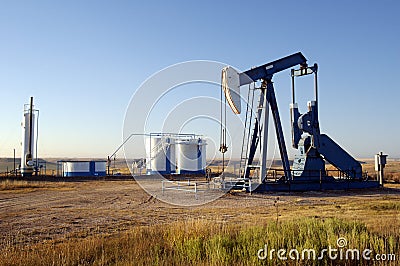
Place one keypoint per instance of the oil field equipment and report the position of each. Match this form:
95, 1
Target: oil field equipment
173, 153
380, 163
29, 162
74, 168
308, 171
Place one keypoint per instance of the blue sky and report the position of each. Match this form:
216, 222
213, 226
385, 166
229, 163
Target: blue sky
83, 60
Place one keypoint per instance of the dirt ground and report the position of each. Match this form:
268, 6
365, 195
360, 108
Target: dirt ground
56, 210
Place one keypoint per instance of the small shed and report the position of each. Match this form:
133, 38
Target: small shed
71, 168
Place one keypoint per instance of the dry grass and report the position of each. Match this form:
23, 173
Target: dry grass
19, 184
393, 177
228, 231
200, 242
392, 170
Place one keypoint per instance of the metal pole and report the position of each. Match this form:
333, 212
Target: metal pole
150, 154
316, 85
108, 164
37, 137
278, 129
293, 96
223, 154
30, 130
381, 175
15, 171
264, 140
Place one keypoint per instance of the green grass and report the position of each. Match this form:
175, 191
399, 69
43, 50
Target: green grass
200, 242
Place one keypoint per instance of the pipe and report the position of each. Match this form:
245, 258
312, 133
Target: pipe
293, 95
15, 171
37, 137
30, 130
126, 140
316, 84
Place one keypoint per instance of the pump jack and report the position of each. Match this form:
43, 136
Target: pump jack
308, 169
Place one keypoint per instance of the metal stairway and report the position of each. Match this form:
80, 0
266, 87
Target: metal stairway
246, 132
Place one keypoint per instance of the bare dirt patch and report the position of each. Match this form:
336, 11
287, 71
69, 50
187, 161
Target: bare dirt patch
78, 209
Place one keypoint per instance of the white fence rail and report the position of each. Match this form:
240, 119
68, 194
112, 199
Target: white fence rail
188, 186
198, 186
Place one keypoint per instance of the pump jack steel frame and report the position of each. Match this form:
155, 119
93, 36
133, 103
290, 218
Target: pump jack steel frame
308, 171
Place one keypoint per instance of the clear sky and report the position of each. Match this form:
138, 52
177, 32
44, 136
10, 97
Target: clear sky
83, 60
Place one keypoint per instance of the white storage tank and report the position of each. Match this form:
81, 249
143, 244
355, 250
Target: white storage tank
160, 152
191, 156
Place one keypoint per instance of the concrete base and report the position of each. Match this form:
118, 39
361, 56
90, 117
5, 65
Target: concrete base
309, 186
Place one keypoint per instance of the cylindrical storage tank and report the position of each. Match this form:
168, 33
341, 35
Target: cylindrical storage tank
151, 160
171, 155
191, 156
203, 160
160, 152
28, 136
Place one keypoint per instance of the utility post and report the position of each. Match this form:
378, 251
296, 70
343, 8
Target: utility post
380, 162
15, 169
108, 165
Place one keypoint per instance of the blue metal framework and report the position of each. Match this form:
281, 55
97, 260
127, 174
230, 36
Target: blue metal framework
265, 73
308, 171
316, 148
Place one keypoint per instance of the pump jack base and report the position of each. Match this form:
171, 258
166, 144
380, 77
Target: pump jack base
296, 185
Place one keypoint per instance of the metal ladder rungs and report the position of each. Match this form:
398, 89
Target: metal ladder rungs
248, 128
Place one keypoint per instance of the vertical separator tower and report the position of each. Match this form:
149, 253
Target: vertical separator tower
28, 140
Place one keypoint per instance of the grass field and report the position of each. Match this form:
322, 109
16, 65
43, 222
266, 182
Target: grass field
116, 223
202, 242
